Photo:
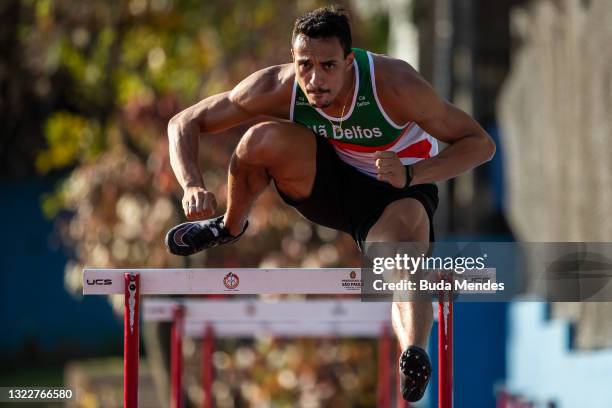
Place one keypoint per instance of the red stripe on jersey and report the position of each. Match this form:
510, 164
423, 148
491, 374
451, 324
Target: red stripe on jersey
360, 148
419, 149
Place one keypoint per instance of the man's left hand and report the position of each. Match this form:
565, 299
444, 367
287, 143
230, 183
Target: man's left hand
389, 168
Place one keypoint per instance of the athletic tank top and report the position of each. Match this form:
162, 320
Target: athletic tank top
366, 127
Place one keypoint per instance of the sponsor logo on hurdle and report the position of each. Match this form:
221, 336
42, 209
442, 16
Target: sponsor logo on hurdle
231, 281
103, 282
352, 283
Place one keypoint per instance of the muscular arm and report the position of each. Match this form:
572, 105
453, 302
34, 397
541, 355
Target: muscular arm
210, 115
408, 97
266, 92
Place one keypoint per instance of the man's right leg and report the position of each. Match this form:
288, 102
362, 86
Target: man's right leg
282, 151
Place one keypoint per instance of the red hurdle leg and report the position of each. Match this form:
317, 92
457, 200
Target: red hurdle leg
176, 353
383, 387
131, 339
445, 350
207, 366
502, 399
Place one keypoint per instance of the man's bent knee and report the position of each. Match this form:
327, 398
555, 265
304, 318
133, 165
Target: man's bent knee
403, 220
286, 151
261, 144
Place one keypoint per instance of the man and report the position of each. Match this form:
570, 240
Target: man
350, 149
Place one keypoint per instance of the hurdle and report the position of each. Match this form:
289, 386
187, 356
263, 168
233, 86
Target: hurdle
253, 318
132, 283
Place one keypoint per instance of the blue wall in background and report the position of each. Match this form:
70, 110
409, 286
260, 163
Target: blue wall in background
496, 166
543, 367
36, 308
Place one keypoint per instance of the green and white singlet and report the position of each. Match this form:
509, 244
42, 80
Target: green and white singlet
366, 128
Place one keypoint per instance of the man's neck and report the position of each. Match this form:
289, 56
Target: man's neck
341, 103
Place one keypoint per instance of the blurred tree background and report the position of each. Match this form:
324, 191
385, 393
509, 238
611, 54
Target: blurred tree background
86, 92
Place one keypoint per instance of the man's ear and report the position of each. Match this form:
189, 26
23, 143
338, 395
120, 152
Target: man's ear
292, 55
350, 58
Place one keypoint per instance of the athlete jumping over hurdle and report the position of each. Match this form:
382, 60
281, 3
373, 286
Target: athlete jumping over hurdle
353, 147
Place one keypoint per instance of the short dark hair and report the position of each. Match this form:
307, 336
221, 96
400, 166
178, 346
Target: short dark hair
325, 22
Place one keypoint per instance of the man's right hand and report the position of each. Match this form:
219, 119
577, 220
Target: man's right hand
198, 204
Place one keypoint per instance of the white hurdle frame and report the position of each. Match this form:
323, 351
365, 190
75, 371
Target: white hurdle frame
252, 281
220, 281
209, 319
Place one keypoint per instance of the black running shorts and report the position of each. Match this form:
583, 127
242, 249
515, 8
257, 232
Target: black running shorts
345, 199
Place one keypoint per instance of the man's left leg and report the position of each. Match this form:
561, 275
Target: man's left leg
406, 220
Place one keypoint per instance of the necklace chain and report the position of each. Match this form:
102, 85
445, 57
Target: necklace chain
343, 110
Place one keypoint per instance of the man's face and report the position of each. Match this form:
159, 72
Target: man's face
320, 68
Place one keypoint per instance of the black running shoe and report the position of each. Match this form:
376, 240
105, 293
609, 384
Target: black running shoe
191, 237
415, 372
